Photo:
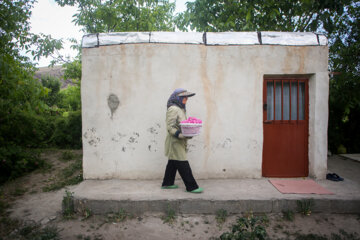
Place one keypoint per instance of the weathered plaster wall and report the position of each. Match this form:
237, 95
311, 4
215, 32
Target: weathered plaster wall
126, 141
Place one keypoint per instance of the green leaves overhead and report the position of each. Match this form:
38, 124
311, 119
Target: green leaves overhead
344, 97
15, 35
14, 26
260, 15
122, 15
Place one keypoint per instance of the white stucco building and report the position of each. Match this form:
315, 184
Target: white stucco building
263, 98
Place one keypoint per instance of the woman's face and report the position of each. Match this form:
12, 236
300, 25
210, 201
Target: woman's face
184, 100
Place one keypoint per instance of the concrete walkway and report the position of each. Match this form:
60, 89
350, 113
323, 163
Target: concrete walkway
233, 195
355, 157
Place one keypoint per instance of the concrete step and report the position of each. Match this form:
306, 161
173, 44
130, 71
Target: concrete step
232, 195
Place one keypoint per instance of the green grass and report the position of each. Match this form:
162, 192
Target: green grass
306, 206
221, 216
18, 191
119, 216
68, 156
248, 227
169, 216
70, 175
36, 232
288, 215
87, 213
68, 205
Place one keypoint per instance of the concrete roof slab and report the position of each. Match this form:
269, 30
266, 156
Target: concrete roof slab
209, 38
232, 38
289, 38
177, 37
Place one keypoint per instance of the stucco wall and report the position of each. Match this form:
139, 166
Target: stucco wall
228, 81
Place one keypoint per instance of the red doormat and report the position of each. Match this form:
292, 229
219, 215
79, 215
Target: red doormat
298, 186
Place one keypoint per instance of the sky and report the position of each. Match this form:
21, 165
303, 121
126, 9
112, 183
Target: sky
51, 19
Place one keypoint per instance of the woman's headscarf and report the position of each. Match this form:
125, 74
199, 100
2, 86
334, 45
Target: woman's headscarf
174, 99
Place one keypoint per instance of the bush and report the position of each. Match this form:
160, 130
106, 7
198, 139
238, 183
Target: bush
25, 128
53, 84
15, 161
70, 98
67, 132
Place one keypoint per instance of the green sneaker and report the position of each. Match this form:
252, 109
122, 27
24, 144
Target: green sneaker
198, 190
170, 187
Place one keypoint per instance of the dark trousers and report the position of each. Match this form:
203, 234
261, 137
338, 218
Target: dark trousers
185, 172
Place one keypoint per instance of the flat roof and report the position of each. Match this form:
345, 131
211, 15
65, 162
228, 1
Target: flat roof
206, 38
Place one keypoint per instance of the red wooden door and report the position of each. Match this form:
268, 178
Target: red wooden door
285, 114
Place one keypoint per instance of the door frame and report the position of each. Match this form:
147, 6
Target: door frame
306, 80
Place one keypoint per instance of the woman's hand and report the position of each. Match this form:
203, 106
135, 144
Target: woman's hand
181, 136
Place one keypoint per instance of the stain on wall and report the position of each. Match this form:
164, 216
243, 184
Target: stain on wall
208, 99
113, 103
226, 144
117, 137
91, 137
295, 55
153, 131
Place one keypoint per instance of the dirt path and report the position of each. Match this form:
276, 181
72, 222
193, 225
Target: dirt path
30, 205
205, 227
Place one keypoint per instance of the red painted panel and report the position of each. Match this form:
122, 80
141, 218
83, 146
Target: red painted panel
285, 150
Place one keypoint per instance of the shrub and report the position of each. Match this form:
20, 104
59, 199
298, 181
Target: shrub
26, 128
67, 132
53, 84
15, 161
250, 228
70, 98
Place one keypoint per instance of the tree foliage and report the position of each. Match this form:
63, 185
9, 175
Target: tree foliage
122, 15
25, 116
344, 127
260, 15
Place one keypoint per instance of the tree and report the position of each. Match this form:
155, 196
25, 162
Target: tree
122, 15
260, 15
344, 102
52, 84
21, 96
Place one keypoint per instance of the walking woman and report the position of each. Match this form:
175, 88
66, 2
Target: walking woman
175, 143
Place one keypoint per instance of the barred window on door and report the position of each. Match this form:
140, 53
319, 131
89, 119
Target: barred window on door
285, 100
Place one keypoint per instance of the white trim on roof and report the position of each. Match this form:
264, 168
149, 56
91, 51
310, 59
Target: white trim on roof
89, 41
232, 38
323, 41
123, 37
178, 37
289, 38
208, 38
